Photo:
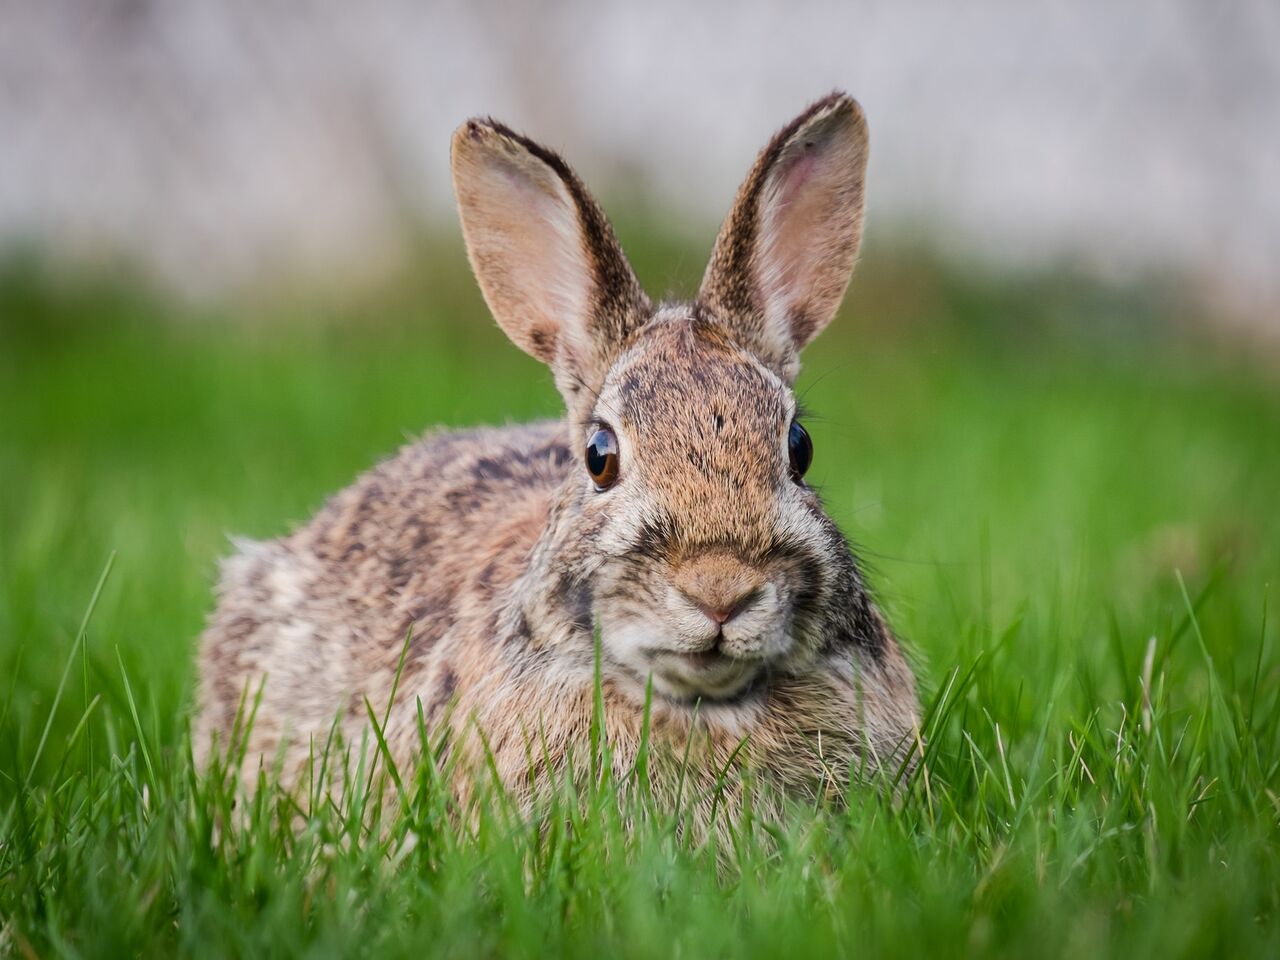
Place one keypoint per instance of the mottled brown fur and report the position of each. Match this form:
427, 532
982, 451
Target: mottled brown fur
494, 553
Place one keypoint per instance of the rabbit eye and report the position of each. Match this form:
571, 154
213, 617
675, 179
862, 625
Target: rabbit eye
801, 448
602, 458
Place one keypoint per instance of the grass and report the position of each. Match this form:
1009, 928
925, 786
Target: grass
1069, 513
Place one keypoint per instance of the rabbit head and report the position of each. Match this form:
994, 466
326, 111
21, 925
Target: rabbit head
686, 533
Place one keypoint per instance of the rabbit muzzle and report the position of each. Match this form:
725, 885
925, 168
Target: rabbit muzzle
712, 632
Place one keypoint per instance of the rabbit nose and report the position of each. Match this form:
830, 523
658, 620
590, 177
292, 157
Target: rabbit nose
726, 612
720, 586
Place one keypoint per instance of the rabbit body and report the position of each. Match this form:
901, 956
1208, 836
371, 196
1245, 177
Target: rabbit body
734, 630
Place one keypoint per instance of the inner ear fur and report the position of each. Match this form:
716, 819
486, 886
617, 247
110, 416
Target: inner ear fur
784, 256
544, 254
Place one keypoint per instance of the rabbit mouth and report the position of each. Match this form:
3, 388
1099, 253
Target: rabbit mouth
701, 659
706, 674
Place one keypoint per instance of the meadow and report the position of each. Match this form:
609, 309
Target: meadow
1064, 493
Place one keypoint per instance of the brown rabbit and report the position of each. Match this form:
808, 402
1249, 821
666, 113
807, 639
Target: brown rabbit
666, 513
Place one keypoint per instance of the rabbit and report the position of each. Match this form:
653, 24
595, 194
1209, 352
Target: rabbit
658, 547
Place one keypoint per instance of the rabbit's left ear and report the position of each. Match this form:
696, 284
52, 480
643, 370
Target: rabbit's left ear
786, 251
545, 255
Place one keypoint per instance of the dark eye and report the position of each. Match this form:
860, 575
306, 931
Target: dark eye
801, 448
602, 458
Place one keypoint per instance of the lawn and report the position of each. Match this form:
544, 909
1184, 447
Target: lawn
1067, 506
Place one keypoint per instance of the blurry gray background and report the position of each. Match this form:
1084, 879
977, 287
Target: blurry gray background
226, 145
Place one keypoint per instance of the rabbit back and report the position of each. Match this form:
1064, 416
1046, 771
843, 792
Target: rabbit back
311, 625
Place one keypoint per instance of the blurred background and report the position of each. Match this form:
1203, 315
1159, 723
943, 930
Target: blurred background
231, 278
238, 143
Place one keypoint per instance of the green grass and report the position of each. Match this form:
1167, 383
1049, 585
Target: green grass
1069, 513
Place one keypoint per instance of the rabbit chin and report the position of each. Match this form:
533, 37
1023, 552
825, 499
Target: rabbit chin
687, 670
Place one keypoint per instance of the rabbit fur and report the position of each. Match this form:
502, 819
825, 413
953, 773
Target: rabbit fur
496, 555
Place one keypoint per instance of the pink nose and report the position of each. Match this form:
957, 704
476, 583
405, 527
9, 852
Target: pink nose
723, 612
719, 584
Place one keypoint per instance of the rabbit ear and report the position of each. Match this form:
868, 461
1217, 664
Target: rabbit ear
785, 253
546, 257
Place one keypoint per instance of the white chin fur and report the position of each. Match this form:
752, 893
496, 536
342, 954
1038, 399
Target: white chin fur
648, 650
720, 682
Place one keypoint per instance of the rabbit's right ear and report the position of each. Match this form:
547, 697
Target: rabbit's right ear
545, 256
